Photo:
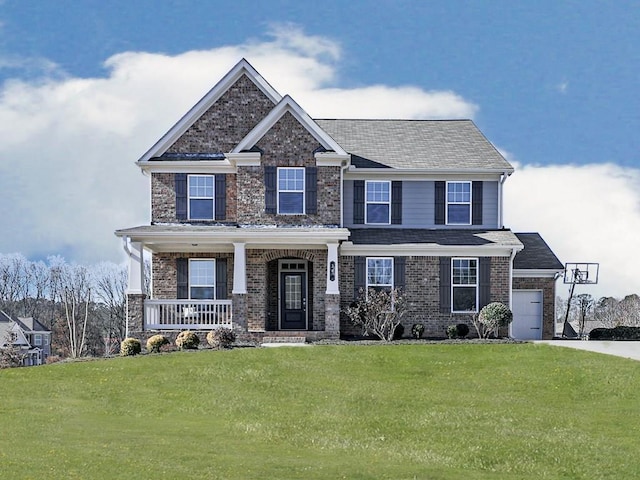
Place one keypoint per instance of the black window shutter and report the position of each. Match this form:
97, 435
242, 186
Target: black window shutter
358, 201
445, 284
440, 190
484, 286
398, 273
182, 268
359, 274
221, 197
181, 196
476, 203
270, 180
396, 203
311, 190
221, 279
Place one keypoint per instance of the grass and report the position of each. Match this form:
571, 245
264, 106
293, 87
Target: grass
518, 411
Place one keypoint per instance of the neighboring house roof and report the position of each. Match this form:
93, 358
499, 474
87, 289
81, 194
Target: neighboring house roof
32, 325
536, 254
417, 144
457, 237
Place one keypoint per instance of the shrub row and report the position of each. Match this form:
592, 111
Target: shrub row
616, 333
186, 340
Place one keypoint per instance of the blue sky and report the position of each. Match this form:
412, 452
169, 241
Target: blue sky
554, 85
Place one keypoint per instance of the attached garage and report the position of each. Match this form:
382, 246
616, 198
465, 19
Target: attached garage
527, 315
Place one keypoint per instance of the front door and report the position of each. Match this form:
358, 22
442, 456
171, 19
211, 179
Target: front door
293, 300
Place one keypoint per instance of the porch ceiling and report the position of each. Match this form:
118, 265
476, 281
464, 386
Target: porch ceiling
202, 238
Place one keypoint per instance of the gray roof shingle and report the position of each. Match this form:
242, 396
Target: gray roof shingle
445, 237
422, 144
536, 254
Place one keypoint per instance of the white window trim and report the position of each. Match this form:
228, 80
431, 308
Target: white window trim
37, 339
196, 285
476, 285
366, 273
213, 197
367, 202
303, 191
447, 202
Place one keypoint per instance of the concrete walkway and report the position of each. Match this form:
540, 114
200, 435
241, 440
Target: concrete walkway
619, 349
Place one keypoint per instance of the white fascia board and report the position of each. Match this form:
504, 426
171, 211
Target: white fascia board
535, 273
287, 104
331, 159
424, 250
244, 159
353, 173
188, 166
259, 237
241, 68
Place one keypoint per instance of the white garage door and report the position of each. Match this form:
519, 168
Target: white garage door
527, 315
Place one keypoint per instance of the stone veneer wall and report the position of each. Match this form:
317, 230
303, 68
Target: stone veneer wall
422, 291
227, 121
548, 287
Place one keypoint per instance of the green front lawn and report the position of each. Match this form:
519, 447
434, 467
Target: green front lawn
516, 411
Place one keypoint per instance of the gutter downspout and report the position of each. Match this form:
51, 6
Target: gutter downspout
342, 170
503, 178
127, 250
514, 251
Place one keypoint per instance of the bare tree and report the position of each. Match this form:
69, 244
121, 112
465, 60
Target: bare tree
606, 312
73, 290
110, 286
629, 310
584, 303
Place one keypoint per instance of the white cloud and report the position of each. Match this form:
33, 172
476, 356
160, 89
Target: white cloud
68, 145
587, 213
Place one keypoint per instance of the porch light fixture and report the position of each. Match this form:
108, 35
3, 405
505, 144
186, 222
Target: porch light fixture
332, 271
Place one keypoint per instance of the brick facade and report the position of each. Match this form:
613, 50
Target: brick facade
548, 288
422, 292
227, 121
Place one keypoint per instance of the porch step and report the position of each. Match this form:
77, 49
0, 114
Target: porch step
284, 340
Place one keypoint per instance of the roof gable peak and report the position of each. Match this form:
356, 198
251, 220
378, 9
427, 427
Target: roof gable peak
288, 104
243, 67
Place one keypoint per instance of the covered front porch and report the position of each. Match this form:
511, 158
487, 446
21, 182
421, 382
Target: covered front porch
269, 282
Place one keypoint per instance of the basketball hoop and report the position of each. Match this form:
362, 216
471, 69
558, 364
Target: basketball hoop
585, 273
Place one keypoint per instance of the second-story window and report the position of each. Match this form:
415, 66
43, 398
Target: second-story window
37, 339
378, 202
458, 203
201, 197
291, 182
202, 279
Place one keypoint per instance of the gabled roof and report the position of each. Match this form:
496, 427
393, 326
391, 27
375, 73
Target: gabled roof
536, 254
417, 144
31, 324
241, 68
288, 105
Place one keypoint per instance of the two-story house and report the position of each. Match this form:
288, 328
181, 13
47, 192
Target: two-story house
28, 335
268, 220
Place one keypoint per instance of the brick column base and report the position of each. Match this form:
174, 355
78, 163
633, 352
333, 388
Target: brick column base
332, 314
240, 311
135, 313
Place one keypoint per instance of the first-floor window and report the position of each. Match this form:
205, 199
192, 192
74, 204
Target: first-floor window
464, 284
380, 273
202, 281
201, 197
291, 191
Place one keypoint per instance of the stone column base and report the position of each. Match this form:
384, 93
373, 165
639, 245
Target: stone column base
332, 313
135, 313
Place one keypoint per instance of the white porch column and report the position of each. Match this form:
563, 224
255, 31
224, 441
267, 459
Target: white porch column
239, 268
332, 269
136, 269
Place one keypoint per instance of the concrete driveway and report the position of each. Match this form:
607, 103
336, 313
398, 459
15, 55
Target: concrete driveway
619, 349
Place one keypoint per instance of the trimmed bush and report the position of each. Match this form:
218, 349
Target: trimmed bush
491, 318
417, 330
452, 331
130, 346
155, 343
221, 338
187, 340
462, 330
620, 332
